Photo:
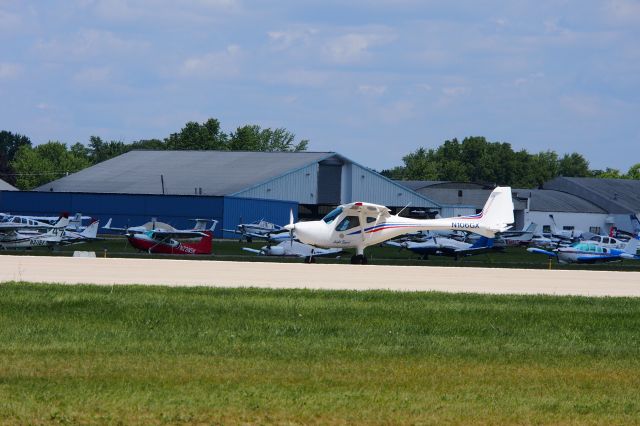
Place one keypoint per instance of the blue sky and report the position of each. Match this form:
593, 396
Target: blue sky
372, 80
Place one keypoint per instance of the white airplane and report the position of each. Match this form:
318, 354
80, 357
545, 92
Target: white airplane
258, 229
29, 237
590, 252
294, 249
75, 223
89, 233
359, 225
514, 238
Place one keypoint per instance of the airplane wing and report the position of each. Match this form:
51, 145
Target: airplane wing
368, 208
178, 234
250, 250
110, 228
541, 251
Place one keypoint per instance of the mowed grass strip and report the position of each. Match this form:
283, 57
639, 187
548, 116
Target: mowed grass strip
159, 355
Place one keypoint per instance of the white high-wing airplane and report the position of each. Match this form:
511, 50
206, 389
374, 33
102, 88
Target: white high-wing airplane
359, 225
294, 249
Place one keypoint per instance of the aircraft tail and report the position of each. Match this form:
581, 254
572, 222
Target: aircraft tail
632, 246
531, 228
57, 229
497, 213
204, 245
91, 231
483, 242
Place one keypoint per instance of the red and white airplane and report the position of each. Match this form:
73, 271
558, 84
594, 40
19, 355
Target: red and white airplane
171, 241
359, 225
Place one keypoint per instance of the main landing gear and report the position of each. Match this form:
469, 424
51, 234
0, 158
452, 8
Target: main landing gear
359, 259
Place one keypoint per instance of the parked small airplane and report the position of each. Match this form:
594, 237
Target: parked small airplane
166, 242
294, 249
75, 222
359, 225
30, 237
590, 252
89, 233
155, 225
258, 229
516, 238
446, 247
608, 242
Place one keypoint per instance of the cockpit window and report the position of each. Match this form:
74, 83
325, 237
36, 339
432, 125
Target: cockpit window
348, 223
332, 215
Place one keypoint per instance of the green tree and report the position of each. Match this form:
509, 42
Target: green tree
196, 136
634, 172
573, 165
10, 144
608, 173
44, 163
100, 151
254, 138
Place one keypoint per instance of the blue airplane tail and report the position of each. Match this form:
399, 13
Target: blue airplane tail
483, 242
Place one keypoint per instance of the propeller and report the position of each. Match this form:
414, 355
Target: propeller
290, 227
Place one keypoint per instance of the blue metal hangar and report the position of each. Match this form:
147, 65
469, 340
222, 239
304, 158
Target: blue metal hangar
230, 186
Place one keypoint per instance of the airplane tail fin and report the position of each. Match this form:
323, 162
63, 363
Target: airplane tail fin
204, 245
57, 229
632, 246
532, 227
107, 225
483, 242
91, 231
497, 212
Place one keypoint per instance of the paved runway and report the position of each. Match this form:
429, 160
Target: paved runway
109, 271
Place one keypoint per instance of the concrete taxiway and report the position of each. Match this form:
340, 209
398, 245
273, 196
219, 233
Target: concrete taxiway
101, 271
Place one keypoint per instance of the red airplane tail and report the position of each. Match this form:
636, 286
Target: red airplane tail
204, 245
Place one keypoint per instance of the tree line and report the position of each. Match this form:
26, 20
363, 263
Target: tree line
27, 166
472, 160
477, 160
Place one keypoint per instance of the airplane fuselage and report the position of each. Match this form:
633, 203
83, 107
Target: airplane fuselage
144, 242
335, 234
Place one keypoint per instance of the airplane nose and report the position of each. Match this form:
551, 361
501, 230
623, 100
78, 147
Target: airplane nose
290, 227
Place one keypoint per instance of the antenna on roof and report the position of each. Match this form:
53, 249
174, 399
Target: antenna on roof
162, 183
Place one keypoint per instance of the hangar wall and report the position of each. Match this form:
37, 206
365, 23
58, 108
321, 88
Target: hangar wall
136, 209
367, 185
299, 185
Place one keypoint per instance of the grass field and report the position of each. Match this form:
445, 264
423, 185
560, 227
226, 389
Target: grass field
156, 355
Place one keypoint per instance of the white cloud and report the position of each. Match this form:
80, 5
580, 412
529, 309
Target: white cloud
355, 47
283, 40
221, 64
9, 70
372, 90
454, 91
300, 77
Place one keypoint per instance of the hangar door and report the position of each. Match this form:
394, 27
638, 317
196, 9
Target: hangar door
329, 183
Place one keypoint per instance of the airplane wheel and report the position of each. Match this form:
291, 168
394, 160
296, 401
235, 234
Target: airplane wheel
358, 259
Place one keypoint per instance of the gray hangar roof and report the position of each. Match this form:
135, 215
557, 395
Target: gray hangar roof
4, 186
216, 172
613, 195
547, 200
